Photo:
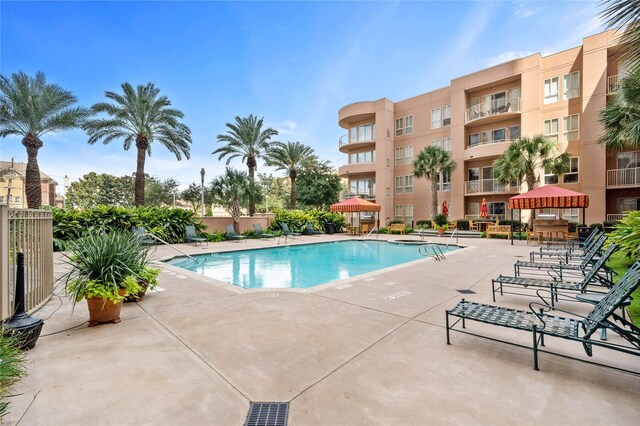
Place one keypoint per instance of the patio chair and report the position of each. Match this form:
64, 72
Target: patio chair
553, 285
260, 233
567, 255
312, 231
574, 246
543, 320
141, 234
231, 234
560, 268
191, 235
473, 226
287, 233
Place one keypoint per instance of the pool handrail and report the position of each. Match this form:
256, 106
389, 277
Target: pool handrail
455, 232
171, 245
375, 228
437, 254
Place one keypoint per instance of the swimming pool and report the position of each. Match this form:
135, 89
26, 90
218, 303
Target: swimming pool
301, 266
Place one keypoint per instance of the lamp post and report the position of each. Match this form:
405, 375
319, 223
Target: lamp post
66, 186
202, 190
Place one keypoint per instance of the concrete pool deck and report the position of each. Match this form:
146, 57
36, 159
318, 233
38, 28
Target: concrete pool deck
369, 350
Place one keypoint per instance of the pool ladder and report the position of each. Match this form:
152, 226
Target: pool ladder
170, 245
432, 250
375, 228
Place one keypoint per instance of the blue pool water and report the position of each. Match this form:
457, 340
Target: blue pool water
301, 266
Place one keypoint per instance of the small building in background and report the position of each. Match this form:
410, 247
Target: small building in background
12, 186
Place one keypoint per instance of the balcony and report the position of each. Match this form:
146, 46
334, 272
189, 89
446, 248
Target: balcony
489, 186
613, 84
353, 169
623, 178
614, 217
345, 145
489, 148
486, 111
364, 195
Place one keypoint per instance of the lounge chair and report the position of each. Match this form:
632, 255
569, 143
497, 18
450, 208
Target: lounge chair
567, 255
311, 231
191, 235
141, 234
260, 233
574, 247
287, 233
231, 234
542, 320
560, 268
553, 285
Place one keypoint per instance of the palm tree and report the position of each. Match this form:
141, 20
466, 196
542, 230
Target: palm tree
232, 191
621, 117
290, 157
526, 155
141, 116
430, 163
246, 139
30, 108
625, 15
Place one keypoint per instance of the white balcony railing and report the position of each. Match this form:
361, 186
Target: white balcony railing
488, 186
496, 107
613, 84
623, 177
490, 142
344, 140
363, 195
612, 217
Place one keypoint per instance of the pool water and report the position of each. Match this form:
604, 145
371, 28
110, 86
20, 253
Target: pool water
301, 266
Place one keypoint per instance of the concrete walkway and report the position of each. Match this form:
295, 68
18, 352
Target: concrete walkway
369, 350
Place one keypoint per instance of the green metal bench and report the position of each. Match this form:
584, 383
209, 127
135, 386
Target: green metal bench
592, 277
542, 320
568, 255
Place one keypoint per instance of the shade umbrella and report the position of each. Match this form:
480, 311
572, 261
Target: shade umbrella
483, 208
445, 209
355, 205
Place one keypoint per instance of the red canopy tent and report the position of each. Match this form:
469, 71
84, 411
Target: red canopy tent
356, 205
548, 197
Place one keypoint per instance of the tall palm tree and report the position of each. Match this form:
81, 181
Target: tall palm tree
232, 191
290, 157
625, 15
430, 163
526, 155
141, 116
30, 108
246, 139
621, 117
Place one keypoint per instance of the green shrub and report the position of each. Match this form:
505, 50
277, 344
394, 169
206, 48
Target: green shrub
215, 236
440, 220
423, 224
609, 225
596, 225
626, 235
463, 225
384, 230
396, 222
297, 220
11, 366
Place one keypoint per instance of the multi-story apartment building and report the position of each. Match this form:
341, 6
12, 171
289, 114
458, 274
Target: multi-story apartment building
12, 186
476, 117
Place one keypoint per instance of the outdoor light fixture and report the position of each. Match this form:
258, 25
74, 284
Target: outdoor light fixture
202, 191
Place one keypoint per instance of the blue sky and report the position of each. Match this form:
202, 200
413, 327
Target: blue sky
293, 63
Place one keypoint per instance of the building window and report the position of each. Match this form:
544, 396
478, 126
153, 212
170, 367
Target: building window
362, 157
399, 185
436, 143
550, 178
1, 199
474, 139
362, 187
408, 128
551, 90
353, 158
398, 213
571, 126
408, 184
446, 116
628, 160
408, 214
497, 209
571, 85
404, 155
444, 182
514, 132
572, 175
494, 136
628, 205
399, 126
399, 156
16, 199
551, 129
435, 118
446, 144
364, 133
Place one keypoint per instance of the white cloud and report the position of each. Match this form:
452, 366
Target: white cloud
507, 56
525, 13
290, 124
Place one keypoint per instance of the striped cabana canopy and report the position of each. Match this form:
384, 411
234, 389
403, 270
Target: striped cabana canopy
548, 197
355, 204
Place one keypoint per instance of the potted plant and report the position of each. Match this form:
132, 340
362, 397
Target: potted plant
441, 223
104, 269
148, 280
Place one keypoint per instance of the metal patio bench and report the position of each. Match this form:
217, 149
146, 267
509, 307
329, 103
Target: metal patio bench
232, 235
141, 234
191, 235
310, 230
287, 233
543, 320
260, 232
553, 285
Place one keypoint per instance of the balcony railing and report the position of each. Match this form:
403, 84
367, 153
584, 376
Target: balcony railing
613, 84
623, 177
490, 141
488, 186
344, 140
488, 109
363, 195
613, 217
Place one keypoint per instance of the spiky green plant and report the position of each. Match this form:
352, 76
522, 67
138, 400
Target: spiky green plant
290, 157
246, 139
621, 117
430, 163
232, 191
12, 367
626, 235
140, 116
624, 15
29, 108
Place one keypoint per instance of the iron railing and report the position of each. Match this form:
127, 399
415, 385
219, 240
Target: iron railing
623, 177
488, 186
31, 232
613, 217
613, 84
495, 107
481, 142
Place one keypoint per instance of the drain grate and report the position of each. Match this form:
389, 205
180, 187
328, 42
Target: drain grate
466, 291
268, 414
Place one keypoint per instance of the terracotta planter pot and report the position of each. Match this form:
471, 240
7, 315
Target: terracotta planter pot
101, 310
139, 295
441, 231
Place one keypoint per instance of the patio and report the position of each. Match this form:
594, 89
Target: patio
367, 350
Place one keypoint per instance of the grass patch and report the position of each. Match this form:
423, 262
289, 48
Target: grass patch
619, 262
11, 367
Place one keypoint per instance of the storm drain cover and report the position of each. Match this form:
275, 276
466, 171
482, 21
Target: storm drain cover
268, 414
466, 291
